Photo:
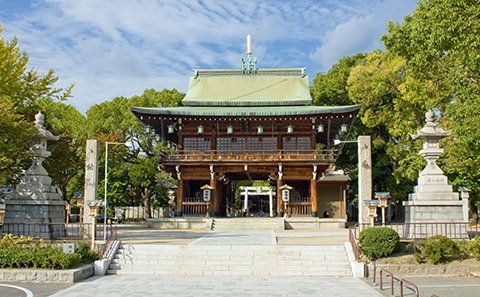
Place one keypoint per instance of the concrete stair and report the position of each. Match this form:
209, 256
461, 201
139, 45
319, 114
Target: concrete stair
248, 224
262, 260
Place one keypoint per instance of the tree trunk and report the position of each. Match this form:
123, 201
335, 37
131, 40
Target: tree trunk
146, 196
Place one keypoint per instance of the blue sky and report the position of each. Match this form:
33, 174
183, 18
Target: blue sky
114, 48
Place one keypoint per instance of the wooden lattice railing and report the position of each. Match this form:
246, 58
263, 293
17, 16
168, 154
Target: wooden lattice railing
245, 155
194, 206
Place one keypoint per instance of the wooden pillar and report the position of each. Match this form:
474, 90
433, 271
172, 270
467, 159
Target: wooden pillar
220, 203
313, 197
179, 195
344, 202
279, 197
213, 199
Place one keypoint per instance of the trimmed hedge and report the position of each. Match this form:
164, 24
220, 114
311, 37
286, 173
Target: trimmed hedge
86, 254
378, 242
436, 249
25, 252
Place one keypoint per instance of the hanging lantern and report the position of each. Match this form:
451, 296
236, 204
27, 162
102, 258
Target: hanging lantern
320, 128
200, 129
343, 128
290, 129
259, 130
171, 129
229, 129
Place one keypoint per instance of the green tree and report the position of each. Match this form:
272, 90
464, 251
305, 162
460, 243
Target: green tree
20, 89
440, 43
331, 88
134, 175
66, 164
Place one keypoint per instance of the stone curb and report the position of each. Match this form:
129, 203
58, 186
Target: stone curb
357, 267
46, 275
428, 270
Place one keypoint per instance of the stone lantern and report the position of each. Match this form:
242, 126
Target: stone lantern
433, 200
36, 207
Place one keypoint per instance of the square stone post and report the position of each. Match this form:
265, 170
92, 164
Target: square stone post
364, 176
91, 177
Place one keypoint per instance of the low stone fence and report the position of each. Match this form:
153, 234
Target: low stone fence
47, 276
138, 212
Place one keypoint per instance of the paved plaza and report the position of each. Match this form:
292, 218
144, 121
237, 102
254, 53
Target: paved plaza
146, 285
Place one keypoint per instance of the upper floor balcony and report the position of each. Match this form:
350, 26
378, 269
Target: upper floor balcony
217, 156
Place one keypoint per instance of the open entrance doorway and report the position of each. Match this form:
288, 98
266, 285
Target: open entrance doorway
250, 198
254, 201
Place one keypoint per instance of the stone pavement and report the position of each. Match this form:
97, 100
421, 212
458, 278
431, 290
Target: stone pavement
237, 238
444, 286
143, 285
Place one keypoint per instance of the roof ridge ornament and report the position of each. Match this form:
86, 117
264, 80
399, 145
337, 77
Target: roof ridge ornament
249, 64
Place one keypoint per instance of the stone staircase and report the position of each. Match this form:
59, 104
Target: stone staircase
248, 224
248, 260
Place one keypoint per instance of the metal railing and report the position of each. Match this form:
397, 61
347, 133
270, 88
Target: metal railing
353, 240
253, 155
55, 231
419, 231
403, 283
105, 247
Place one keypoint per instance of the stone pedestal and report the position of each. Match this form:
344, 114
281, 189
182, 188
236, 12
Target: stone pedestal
36, 207
433, 207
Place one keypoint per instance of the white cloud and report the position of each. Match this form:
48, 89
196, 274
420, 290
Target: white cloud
361, 33
112, 48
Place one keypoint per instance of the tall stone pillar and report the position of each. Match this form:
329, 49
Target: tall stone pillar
91, 177
364, 176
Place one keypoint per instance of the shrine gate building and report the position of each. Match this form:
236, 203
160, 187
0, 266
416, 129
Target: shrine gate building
252, 124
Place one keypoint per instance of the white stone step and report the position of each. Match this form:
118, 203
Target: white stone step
250, 260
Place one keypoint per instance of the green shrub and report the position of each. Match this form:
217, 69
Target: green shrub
436, 249
378, 242
471, 248
87, 255
25, 252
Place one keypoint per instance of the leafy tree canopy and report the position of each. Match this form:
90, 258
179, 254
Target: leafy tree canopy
20, 90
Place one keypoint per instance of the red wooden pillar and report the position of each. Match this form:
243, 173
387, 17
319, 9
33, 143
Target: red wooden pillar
213, 199
179, 195
279, 197
313, 197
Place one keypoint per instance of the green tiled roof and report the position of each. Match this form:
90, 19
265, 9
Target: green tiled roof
232, 87
244, 111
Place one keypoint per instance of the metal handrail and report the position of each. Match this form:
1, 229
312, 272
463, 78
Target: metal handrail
105, 248
353, 241
403, 283
411, 286
54, 231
